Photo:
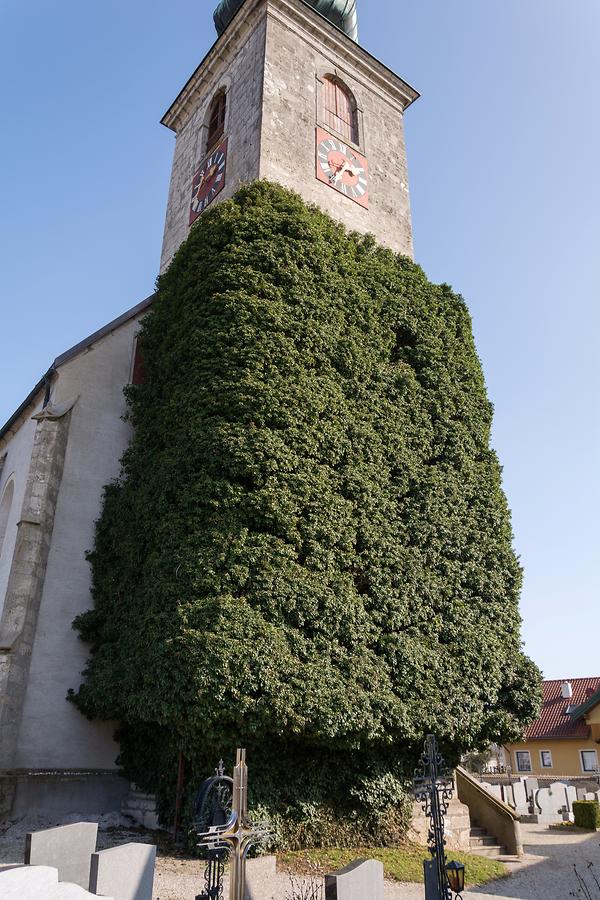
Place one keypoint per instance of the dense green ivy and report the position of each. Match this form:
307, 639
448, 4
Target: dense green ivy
308, 552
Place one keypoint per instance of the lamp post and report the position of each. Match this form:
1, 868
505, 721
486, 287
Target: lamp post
433, 788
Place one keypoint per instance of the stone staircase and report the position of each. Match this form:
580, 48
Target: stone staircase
483, 843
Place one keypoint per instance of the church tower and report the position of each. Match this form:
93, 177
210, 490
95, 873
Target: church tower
287, 94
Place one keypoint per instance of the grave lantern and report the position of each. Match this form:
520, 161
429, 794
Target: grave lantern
456, 877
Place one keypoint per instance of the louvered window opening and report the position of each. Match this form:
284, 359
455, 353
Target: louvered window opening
216, 123
340, 114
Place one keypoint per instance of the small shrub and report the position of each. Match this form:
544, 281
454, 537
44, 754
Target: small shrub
588, 886
308, 888
587, 813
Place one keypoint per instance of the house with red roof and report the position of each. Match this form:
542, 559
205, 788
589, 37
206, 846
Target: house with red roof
564, 741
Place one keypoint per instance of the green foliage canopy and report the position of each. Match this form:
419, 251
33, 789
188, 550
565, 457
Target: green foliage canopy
309, 551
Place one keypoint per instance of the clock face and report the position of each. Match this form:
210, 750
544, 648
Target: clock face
208, 181
342, 168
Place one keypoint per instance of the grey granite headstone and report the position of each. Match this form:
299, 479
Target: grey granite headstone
531, 785
125, 872
571, 796
361, 880
39, 883
520, 797
67, 848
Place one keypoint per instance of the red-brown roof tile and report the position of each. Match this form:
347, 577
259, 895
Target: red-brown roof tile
555, 721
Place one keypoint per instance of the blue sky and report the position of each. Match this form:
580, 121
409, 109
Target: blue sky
504, 150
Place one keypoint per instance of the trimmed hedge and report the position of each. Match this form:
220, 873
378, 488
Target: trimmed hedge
587, 813
309, 552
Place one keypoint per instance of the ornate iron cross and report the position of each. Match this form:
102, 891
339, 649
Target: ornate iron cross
433, 787
238, 833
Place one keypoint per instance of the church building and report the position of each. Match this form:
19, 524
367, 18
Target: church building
286, 93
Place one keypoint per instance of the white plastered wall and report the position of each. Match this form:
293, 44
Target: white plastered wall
53, 733
18, 446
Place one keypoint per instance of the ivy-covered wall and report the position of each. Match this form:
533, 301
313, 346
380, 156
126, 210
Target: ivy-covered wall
309, 552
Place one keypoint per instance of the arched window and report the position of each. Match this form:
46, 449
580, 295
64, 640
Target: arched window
5, 505
216, 119
339, 109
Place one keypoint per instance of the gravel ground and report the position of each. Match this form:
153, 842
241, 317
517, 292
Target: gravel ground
545, 873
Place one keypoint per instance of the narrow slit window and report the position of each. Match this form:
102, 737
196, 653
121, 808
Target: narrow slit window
340, 109
216, 119
138, 371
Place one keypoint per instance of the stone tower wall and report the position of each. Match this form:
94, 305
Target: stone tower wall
271, 61
300, 50
238, 66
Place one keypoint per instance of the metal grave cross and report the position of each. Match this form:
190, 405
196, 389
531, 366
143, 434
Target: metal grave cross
238, 833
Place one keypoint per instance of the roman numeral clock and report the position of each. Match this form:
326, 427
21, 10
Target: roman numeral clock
342, 168
208, 181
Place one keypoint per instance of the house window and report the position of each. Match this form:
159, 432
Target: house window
546, 759
523, 760
589, 761
339, 109
216, 119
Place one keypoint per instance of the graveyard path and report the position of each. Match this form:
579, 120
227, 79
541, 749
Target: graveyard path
545, 873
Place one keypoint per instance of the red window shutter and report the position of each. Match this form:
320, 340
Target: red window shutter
216, 124
340, 114
138, 375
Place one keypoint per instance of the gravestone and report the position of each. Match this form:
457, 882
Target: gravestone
67, 848
125, 872
531, 786
508, 795
545, 806
520, 798
494, 789
571, 796
39, 883
360, 880
560, 798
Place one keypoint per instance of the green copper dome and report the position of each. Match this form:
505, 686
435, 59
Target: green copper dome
341, 12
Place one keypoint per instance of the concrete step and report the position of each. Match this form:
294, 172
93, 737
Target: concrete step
490, 850
485, 840
478, 832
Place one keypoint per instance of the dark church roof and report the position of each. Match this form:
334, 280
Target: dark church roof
341, 13
71, 354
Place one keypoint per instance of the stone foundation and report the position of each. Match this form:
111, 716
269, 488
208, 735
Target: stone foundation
457, 825
141, 808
